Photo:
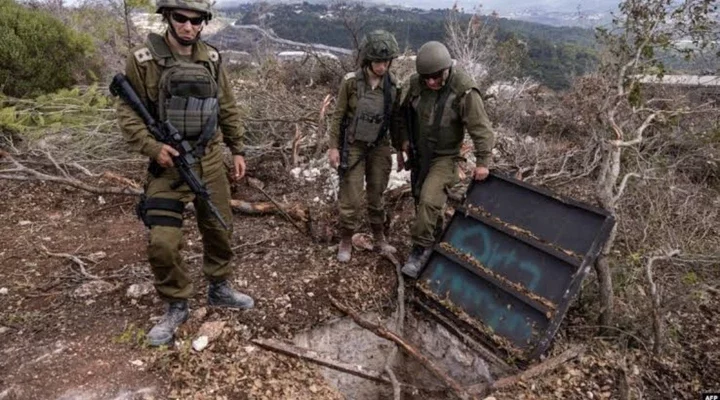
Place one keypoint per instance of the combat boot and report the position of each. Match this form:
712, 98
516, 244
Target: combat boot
162, 333
417, 257
381, 245
220, 294
345, 247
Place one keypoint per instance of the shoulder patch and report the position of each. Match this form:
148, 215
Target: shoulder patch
349, 75
213, 55
142, 55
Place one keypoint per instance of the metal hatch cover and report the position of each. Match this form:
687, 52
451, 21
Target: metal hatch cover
509, 263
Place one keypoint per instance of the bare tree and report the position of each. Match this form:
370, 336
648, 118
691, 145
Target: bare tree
643, 30
475, 47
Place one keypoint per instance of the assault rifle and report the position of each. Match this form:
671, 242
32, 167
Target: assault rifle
165, 133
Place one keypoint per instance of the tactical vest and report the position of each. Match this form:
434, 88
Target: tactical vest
449, 134
370, 111
187, 91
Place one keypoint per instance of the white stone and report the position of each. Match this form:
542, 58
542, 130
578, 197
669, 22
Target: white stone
138, 290
200, 343
4, 290
23, 223
93, 288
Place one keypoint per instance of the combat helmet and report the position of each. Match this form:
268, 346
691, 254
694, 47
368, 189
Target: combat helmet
379, 45
432, 57
203, 6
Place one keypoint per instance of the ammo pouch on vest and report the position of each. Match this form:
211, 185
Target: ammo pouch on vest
188, 99
372, 114
368, 117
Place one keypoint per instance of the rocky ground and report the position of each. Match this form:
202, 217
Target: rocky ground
76, 300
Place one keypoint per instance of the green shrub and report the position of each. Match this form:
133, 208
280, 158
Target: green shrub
39, 53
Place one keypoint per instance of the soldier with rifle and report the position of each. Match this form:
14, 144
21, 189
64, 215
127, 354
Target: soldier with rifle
365, 119
177, 109
441, 103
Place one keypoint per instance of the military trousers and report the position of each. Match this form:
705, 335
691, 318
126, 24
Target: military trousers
370, 175
172, 280
442, 175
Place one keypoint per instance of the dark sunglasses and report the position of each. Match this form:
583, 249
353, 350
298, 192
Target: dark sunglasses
181, 19
434, 75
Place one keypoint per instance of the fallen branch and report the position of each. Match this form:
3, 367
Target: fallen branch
399, 325
263, 208
80, 263
317, 358
537, 370
408, 348
658, 325
278, 206
22, 173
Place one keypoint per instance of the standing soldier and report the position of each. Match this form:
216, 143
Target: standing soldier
180, 79
367, 109
441, 103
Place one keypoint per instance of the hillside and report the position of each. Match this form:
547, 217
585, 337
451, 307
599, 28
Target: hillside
553, 54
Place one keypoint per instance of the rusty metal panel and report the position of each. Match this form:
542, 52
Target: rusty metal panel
510, 262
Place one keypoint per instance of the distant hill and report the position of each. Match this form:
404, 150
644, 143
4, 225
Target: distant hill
554, 54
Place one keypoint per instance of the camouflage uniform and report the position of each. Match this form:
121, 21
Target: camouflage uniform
371, 166
144, 71
462, 110
364, 121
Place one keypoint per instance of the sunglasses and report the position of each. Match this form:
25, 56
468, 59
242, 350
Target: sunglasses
181, 19
434, 75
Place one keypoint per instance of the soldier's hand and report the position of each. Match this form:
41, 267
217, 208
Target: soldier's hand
405, 146
239, 164
480, 173
164, 158
334, 157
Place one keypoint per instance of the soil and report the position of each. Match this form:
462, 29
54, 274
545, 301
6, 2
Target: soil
69, 334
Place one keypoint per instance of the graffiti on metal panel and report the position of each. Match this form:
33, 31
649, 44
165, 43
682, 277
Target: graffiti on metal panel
491, 255
478, 302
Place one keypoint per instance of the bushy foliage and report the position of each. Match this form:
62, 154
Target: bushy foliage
39, 53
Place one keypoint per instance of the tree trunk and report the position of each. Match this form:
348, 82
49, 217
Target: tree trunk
607, 297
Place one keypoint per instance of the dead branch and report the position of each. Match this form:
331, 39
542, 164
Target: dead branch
399, 325
408, 348
318, 358
537, 370
658, 325
279, 208
80, 263
295, 211
22, 173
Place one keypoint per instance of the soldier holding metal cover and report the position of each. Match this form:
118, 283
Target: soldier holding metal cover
180, 79
364, 121
440, 104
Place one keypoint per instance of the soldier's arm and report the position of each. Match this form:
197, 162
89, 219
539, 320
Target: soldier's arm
338, 115
136, 134
230, 124
478, 126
